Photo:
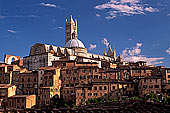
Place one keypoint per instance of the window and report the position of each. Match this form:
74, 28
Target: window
113, 87
72, 91
35, 80
81, 77
156, 80
84, 70
89, 94
82, 94
67, 72
22, 100
51, 90
150, 80
84, 76
67, 85
168, 71
95, 88
91, 76
168, 81
156, 86
100, 77
18, 101
77, 94
168, 76
95, 94
150, 86
144, 80
135, 71
105, 87
100, 87
28, 79
95, 76
45, 77
89, 88
144, 86
55, 89
74, 78
71, 85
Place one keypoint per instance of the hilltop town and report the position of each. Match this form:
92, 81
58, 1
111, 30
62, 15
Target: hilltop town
70, 74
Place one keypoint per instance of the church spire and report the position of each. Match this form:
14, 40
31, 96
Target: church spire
105, 54
71, 19
114, 53
70, 29
119, 58
110, 49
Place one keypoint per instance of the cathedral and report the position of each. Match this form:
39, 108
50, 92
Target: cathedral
74, 75
42, 55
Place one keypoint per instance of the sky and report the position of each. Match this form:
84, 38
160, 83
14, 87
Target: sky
137, 29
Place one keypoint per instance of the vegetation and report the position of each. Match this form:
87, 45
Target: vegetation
60, 103
151, 97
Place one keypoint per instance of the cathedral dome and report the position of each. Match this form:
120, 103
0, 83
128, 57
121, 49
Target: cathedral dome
74, 43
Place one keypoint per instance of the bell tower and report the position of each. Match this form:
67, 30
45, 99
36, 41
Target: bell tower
70, 29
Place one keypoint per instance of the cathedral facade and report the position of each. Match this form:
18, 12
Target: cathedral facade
42, 55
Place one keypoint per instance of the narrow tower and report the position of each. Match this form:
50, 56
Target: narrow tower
70, 29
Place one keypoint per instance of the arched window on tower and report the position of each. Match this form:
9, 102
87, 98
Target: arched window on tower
13, 59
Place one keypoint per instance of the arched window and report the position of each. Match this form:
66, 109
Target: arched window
13, 59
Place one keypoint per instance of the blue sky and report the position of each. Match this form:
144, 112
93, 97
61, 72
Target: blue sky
138, 29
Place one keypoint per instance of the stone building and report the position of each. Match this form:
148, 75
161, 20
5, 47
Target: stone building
21, 102
26, 82
42, 55
149, 85
73, 74
6, 73
49, 85
8, 59
6, 90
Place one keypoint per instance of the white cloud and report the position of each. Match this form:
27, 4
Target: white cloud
12, 31
18, 16
125, 8
105, 42
60, 27
151, 9
92, 47
48, 5
156, 44
2, 17
135, 50
168, 51
150, 61
134, 54
130, 39
168, 14
98, 15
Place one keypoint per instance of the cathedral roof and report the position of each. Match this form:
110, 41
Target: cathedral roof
74, 43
